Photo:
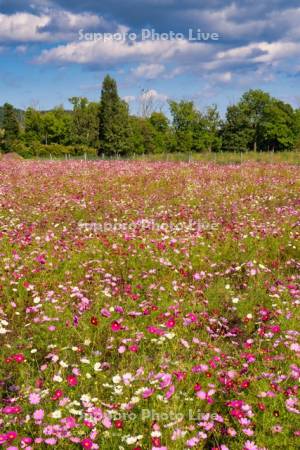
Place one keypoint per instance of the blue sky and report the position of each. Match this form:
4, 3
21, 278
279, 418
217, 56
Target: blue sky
44, 62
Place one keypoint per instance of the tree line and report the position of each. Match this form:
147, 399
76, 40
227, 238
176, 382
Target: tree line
258, 122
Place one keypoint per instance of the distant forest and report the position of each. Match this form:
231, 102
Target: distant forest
258, 122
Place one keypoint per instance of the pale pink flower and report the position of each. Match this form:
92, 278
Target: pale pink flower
34, 398
38, 414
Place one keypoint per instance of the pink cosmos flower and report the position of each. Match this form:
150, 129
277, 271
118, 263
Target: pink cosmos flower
3, 438
275, 329
11, 435
106, 422
170, 392
87, 443
133, 348
34, 398
41, 259
18, 357
248, 431
171, 323
105, 312
250, 445
159, 448
116, 326
166, 379
154, 330
192, 442
11, 410
148, 392
72, 380
27, 440
50, 441
69, 422
38, 414
57, 394
277, 429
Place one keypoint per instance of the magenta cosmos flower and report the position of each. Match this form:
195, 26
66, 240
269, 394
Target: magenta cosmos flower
87, 443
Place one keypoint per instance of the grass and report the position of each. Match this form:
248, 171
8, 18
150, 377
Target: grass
292, 157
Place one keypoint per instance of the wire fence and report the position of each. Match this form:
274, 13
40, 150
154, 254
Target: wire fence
213, 157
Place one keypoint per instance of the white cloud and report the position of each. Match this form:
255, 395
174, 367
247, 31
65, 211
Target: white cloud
260, 52
21, 49
225, 77
225, 21
129, 98
48, 27
154, 95
150, 53
23, 27
148, 71
276, 51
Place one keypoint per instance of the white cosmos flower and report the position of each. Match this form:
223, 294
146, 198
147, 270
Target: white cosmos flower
76, 412
85, 361
57, 378
97, 367
63, 364
156, 433
131, 440
170, 335
117, 379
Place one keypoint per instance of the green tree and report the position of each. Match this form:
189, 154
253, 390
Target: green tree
85, 122
207, 130
33, 125
254, 103
56, 126
237, 132
10, 126
296, 128
185, 119
278, 127
160, 124
115, 133
159, 121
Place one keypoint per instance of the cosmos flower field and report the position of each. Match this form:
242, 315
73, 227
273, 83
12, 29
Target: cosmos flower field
149, 305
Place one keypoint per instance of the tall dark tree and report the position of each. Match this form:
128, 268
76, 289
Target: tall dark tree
10, 126
114, 125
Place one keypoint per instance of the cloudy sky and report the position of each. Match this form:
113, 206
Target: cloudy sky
45, 60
